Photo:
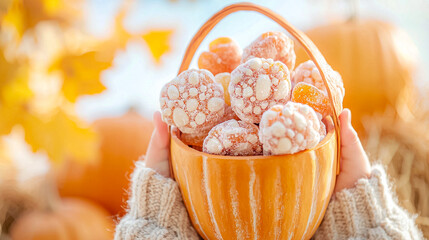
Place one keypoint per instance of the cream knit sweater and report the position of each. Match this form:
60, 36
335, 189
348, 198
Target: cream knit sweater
367, 211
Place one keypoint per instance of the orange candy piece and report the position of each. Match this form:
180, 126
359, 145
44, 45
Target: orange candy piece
224, 55
274, 45
224, 79
308, 94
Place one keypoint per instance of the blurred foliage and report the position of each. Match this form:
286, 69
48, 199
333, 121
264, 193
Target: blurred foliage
47, 62
158, 42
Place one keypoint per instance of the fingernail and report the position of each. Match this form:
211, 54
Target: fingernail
349, 115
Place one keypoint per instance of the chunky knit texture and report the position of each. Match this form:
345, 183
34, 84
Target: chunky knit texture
367, 211
156, 209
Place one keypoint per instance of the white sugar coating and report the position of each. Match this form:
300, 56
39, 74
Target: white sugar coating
278, 129
263, 87
201, 108
282, 90
247, 92
215, 104
193, 92
307, 72
180, 117
264, 105
212, 146
202, 97
257, 109
237, 91
167, 112
274, 45
173, 92
285, 144
233, 138
290, 128
193, 78
248, 109
200, 118
192, 105
255, 63
255, 88
300, 121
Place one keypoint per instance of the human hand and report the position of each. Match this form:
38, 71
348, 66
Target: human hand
354, 163
159, 147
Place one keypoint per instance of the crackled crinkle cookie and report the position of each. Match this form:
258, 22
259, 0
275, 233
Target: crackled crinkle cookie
256, 85
307, 72
233, 138
193, 101
290, 128
223, 56
274, 45
196, 139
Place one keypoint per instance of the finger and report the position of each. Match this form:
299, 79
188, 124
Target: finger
351, 147
158, 150
161, 129
349, 137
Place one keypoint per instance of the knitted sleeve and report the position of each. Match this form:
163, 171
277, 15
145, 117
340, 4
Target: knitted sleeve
367, 211
156, 209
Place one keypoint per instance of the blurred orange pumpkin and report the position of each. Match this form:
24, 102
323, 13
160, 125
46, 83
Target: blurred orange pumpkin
72, 218
375, 59
123, 140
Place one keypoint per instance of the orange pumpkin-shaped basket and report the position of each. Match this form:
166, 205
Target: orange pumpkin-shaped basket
258, 197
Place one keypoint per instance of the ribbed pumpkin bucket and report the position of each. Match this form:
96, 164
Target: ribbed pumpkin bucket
257, 197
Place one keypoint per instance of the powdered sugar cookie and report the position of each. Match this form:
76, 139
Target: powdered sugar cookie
235, 138
256, 85
290, 128
193, 102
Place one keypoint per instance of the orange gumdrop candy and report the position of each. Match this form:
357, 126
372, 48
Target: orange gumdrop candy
308, 94
224, 55
224, 79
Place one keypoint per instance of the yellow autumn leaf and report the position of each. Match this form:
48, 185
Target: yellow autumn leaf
26, 14
4, 7
62, 136
81, 74
14, 92
7, 69
158, 41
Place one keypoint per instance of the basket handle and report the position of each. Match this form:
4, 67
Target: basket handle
306, 43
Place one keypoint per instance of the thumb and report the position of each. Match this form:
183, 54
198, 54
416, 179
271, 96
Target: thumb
349, 137
159, 147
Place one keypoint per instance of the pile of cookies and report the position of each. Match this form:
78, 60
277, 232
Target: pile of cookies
250, 102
